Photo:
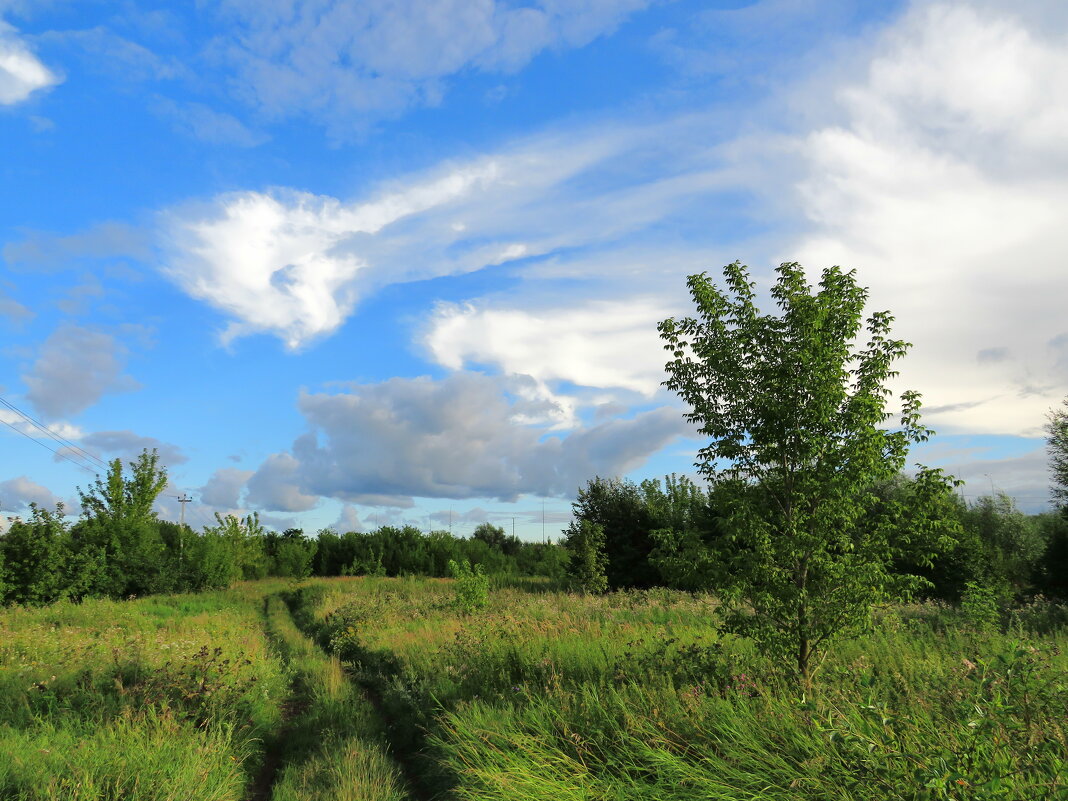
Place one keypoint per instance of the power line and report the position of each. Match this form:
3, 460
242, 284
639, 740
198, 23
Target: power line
52, 434
60, 454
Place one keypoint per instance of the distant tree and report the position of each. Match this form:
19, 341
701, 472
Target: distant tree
1012, 542
294, 554
1057, 448
441, 548
243, 538
619, 508
495, 537
121, 524
796, 414
585, 542
1051, 572
36, 553
1054, 571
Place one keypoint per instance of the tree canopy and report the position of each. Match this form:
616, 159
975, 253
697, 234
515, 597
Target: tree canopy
796, 411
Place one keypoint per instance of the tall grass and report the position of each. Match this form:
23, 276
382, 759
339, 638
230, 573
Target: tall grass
638, 696
163, 698
383, 689
333, 748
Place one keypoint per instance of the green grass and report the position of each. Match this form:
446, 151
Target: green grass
333, 746
147, 699
638, 696
382, 689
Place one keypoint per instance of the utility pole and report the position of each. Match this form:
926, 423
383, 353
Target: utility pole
543, 520
450, 521
183, 500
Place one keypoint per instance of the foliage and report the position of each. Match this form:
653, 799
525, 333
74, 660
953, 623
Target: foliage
290, 554
585, 542
36, 557
563, 696
620, 509
244, 540
795, 412
120, 522
1012, 542
495, 537
979, 606
471, 586
1051, 574
1057, 448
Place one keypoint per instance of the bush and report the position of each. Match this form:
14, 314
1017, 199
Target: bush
588, 567
979, 606
472, 586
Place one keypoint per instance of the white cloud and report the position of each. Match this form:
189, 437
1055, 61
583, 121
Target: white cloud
348, 520
75, 368
207, 124
943, 185
21, 72
274, 486
17, 494
274, 260
608, 344
224, 487
295, 264
60, 428
129, 445
350, 63
461, 437
14, 311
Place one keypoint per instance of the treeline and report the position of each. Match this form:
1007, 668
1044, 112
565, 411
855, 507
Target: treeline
120, 548
669, 533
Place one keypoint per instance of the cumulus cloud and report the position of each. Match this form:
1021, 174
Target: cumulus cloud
597, 344
21, 72
16, 495
24, 425
460, 437
348, 520
274, 486
75, 368
347, 63
943, 184
224, 487
128, 445
273, 261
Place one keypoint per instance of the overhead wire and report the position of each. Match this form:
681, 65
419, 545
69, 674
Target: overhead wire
58, 453
57, 438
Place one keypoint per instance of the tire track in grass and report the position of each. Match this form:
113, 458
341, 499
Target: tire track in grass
399, 723
329, 746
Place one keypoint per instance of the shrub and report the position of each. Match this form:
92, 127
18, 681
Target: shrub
472, 586
979, 606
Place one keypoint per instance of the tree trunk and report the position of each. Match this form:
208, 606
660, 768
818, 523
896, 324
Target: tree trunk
804, 667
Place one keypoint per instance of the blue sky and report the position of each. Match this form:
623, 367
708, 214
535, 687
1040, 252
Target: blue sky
349, 264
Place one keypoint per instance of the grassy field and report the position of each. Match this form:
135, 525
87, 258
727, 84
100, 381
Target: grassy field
383, 689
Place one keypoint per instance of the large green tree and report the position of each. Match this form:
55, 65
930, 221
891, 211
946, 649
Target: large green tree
796, 409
